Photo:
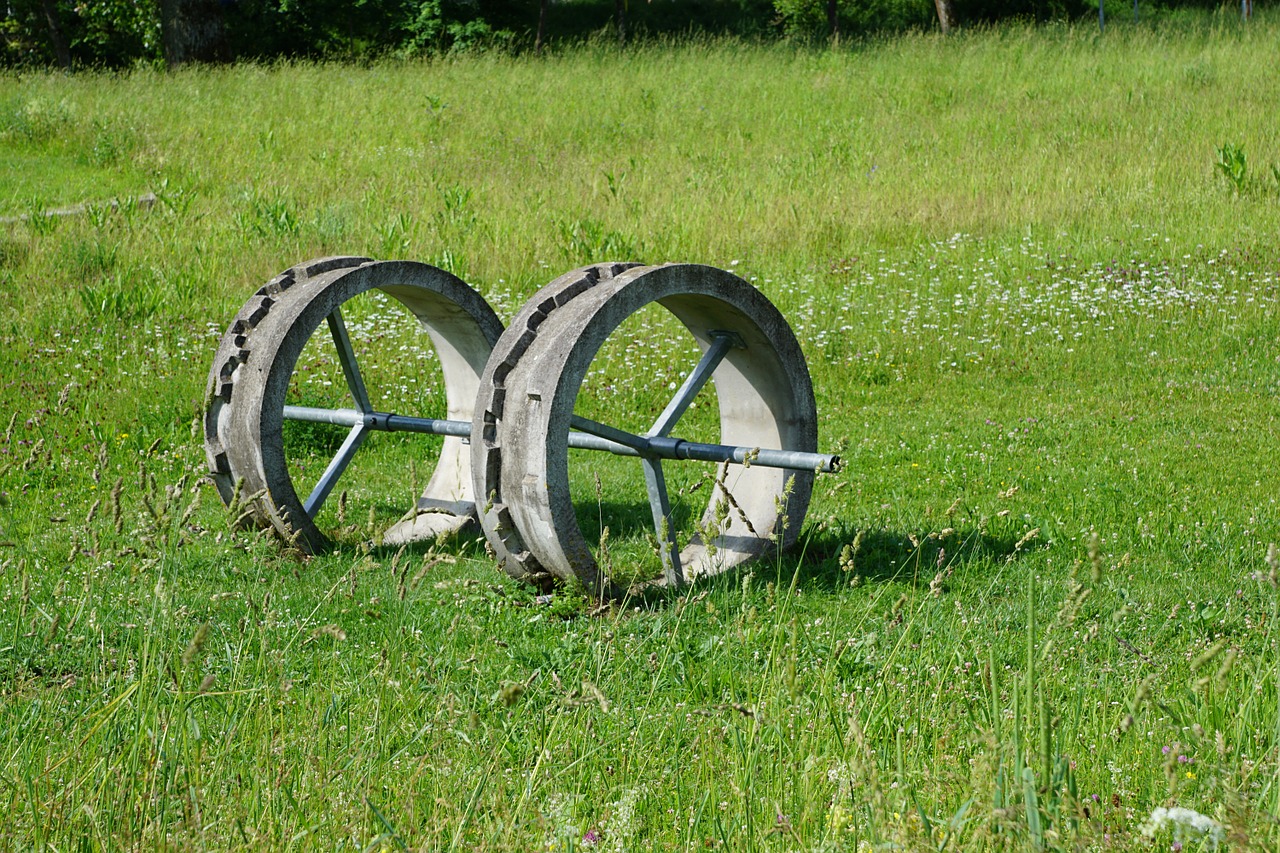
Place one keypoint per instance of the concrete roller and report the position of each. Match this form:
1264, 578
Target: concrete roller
486, 452
246, 397
521, 439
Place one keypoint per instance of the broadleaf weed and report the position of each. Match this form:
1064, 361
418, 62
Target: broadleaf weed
1233, 166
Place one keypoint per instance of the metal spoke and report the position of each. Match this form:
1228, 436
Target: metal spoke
663, 525
627, 439
720, 346
347, 357
329, 478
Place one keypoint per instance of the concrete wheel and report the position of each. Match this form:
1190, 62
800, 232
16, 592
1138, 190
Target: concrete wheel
249, 399
486, 452
527, 425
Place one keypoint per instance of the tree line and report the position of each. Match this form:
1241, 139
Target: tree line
115, 33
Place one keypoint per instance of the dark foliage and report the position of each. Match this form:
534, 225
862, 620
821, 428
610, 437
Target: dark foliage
1036, 10
65, 32
114, 33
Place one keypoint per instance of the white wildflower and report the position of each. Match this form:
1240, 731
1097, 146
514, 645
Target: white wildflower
560, 816
1184, 821
621, 827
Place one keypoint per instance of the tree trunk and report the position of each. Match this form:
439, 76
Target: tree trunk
620, 17
60, 48
833, 21
192, 31
946, 15
542, 25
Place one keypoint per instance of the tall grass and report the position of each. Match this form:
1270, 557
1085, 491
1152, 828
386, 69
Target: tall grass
1039, 606
803, 157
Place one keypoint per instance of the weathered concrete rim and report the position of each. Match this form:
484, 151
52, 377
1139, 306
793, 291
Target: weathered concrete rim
766, 400
244, 439
487, 434
234, 349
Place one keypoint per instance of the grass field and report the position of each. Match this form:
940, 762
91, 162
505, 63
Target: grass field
1037, 606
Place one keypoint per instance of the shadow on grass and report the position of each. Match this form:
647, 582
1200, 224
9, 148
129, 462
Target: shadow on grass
883, 555
823, 559
819, 560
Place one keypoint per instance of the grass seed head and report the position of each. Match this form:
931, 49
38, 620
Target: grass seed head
1026, 538
1143, 693
196, 646
1228, 663
330, 630
1095, 557
1204, 658
191, 509
510, 693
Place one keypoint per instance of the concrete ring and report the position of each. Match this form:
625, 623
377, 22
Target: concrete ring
765, 401
247, 388
486, 452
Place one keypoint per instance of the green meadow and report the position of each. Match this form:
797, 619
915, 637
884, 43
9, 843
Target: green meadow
1036, 275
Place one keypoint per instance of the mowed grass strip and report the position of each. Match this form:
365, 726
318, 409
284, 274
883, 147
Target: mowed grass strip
1038, 605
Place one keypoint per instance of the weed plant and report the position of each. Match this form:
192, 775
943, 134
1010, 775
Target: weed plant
1037, 611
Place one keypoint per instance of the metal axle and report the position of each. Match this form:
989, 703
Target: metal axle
653, 447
